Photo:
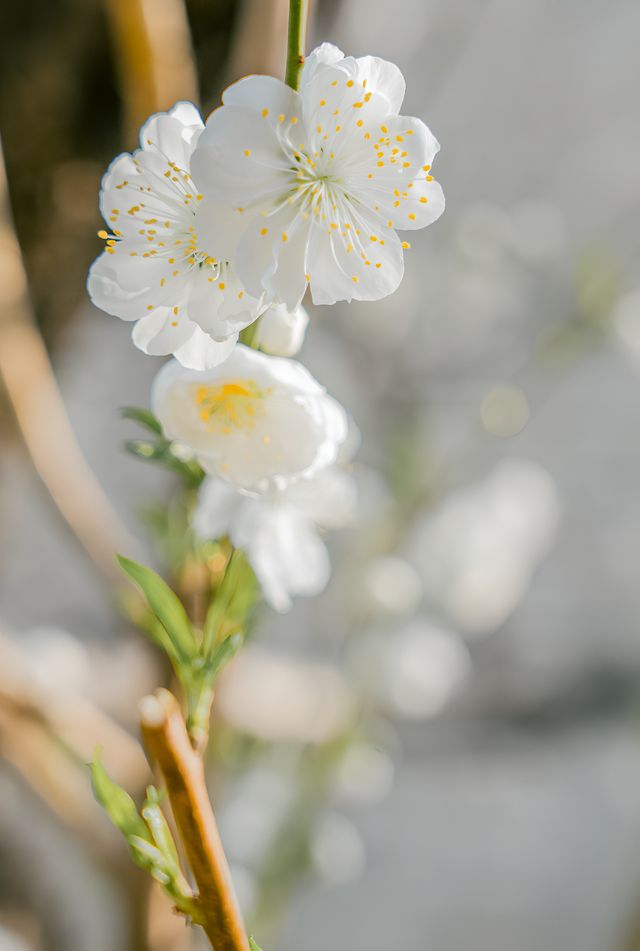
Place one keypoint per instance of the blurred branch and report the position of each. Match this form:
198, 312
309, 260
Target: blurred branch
260, 44
153, 50
167, 742
28, 376
46, 734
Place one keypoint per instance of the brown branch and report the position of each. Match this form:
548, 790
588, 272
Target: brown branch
48, 733
27, 374
167, 743
152, 46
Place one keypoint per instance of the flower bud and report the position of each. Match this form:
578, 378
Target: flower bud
280, 332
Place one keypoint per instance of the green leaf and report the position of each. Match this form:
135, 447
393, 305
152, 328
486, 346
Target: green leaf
253, 945
118, 804
143, 417
166, 606
223, 654
231, 603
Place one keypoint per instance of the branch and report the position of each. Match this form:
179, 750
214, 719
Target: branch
27, 374
167, 743
298, 14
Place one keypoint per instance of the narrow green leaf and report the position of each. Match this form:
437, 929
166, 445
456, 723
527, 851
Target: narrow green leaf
143, 417
166, 606
253, 945
118, 804
223, 654
231, 603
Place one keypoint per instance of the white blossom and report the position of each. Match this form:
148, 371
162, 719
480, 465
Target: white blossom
281, 331
278, 530
316, 183
157, 268
257, 421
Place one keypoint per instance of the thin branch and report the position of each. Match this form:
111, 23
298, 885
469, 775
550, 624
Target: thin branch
47, 734
260, 39
152, 46
296, 45
28, 377
167, 743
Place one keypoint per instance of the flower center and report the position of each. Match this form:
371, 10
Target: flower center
233, 405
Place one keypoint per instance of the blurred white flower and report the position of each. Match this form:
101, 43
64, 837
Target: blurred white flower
391, 585
337, 850
278, 530
156, 268
427, 665
477, 553
365, 774
317, 182
413, 672
257, 421
626, 325
504, 410
280, 699
280, 331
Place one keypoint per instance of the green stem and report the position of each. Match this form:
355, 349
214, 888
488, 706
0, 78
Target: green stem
298, 14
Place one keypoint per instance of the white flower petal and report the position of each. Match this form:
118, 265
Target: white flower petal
272, 254
269, 97
278, 530
238, 160
221, 305
398, 185
285, 551
121, 169
218, 504
281, 331
156, 267
202, 352
345, 160
325, 54
107, 293
382, 77
219, 228
160, 333
346, 264
255, 258
172, 133
329, 498
257, 421
338, 112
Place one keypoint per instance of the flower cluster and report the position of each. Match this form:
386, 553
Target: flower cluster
219, 229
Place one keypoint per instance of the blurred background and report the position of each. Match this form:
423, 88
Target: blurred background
443, 751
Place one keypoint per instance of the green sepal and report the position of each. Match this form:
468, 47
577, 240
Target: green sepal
166, 606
